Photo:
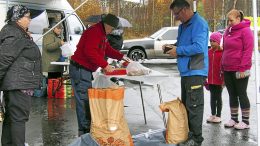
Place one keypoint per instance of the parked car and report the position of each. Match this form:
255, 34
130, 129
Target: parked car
150, 47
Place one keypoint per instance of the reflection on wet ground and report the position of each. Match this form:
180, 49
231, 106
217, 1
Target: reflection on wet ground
57, 124
53, 121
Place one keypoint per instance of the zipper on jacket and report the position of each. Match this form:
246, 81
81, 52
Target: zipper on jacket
213, 65
33, 67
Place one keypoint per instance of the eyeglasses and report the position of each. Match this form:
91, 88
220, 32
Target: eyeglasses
177, 13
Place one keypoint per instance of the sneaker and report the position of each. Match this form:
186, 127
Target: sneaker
231, 123
26, 144
189, 142
216, 120
241, 126
210, 119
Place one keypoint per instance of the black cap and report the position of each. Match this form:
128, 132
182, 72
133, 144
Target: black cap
111, 20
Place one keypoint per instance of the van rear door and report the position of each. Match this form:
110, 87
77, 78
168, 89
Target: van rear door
37, 25
75, 29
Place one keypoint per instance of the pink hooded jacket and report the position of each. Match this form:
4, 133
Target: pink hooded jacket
238, 44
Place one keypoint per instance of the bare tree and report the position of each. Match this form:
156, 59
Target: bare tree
234, 4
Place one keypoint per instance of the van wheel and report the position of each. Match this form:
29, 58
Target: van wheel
137, 54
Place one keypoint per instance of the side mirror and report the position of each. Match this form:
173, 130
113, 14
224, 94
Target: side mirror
77, 30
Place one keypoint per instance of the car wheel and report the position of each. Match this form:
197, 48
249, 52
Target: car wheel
137, 54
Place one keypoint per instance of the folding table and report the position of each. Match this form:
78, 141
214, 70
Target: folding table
151, 79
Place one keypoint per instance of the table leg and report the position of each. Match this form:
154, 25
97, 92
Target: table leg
140, 86
161, 101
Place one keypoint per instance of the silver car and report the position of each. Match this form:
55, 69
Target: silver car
150, 47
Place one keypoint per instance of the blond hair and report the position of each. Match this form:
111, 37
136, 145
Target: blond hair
236, 13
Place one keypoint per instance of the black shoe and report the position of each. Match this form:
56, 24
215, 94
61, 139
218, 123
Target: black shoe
189, 142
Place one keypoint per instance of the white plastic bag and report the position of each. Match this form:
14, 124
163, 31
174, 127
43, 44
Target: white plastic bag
102, 81
137, 69
66, 50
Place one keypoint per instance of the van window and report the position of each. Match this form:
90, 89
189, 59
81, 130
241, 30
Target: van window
170, 35
75, 27
39, 21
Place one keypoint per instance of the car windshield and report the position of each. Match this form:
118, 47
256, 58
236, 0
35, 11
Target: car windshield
157, 33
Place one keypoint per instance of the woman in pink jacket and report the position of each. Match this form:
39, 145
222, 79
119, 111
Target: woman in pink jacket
236, 64
215, 78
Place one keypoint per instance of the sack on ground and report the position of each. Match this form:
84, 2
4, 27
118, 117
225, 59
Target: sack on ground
177, 123
108, 124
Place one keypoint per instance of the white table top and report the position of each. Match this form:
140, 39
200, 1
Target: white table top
153, 78
60, 63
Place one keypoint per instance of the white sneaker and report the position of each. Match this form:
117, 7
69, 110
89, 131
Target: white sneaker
216, 120
211, 118
241, 126
26, 144
231, 123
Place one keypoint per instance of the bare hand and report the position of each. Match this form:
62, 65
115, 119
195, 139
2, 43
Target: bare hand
242, 75
109, 68
172, 52
223, 85
127, 59
62, 42
166, 45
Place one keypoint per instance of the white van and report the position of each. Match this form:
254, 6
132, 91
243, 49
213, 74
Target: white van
45, 12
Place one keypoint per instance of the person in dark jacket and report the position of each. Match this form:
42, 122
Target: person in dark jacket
90, 54
51, 52
115, 38
20, 74
191, 51
215, 78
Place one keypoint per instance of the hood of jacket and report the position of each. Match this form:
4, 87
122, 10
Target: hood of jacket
243, 24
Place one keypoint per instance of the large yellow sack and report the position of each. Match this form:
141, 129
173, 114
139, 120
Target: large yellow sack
108, 124
177, 123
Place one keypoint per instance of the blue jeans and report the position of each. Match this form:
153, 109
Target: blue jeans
81, 82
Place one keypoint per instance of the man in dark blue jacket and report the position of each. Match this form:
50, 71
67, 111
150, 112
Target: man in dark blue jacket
191, 51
